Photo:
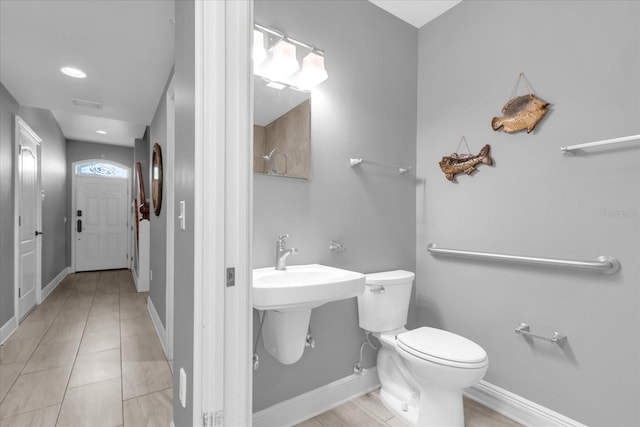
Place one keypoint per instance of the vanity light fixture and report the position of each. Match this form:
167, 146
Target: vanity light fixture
259, 52
280, 64
76, 73
275, 85
101, 132
283, 60
313, 71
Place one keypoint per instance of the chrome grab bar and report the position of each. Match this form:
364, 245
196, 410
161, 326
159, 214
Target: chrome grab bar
604, 264
524, 329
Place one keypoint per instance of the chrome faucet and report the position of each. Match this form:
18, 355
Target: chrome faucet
282, 252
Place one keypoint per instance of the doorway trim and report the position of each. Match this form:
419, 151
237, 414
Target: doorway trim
223, 312
72, 234
171, 214
22, 127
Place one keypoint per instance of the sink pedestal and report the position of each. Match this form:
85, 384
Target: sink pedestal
284, 333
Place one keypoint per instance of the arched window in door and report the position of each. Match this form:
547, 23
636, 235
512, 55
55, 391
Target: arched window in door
103, 169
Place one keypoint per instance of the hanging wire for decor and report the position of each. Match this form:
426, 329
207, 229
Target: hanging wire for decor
521, 112
457, 163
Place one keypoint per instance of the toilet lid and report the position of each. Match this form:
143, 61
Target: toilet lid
442, 347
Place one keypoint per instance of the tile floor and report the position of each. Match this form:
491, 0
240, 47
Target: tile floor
369, 411
87, 356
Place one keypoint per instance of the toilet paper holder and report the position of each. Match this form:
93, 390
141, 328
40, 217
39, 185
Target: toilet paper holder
525, 330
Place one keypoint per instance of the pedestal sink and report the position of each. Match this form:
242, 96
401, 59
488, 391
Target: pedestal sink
288, 296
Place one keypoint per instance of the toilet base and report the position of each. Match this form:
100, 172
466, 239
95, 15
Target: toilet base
441, 408
396, 406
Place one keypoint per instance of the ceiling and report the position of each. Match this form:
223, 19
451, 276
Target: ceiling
416, 12
126, 48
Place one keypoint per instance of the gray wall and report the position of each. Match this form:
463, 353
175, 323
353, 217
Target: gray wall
158, 224
53, 177
184, 190
584, 58
82, 150
367, 109
8, 109
141, 154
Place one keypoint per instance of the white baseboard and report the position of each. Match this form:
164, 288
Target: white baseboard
516, 407
12, 324
142, 283
157, 323
8, 329
46, 291
315, 402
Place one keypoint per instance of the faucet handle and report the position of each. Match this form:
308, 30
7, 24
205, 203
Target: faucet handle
283, 237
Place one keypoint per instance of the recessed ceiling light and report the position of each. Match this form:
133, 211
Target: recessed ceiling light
101, 132
73, 72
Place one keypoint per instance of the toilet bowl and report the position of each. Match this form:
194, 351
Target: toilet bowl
422, 371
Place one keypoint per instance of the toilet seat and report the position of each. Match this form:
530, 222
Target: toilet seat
442, 347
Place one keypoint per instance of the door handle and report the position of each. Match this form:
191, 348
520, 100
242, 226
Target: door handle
79, 226
38, 233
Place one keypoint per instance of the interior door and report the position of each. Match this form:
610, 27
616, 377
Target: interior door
28, 187
101, 237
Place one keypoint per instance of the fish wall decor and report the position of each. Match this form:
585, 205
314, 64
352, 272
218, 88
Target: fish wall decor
523, 112
459, 163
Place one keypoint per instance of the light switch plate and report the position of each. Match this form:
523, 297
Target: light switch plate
181, 215
183, 388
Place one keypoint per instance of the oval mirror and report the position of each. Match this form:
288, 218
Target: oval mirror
156, 179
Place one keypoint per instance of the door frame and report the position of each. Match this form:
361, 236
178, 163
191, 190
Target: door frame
169, 183
223, 178
73, 206
21, 127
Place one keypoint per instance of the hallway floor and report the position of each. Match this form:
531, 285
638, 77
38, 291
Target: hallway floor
87, 356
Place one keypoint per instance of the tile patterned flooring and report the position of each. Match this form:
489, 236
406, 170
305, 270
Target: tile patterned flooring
87, 356
369, 411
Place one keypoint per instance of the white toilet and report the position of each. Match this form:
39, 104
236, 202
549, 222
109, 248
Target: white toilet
422, 371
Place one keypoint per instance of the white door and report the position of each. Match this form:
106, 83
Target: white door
28, 189
101, 238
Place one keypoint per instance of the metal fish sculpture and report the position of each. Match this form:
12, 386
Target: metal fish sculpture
523, 112
458, 163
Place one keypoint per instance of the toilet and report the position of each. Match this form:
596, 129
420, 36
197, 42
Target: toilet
422, 371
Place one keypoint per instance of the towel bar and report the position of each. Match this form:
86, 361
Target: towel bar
556, 338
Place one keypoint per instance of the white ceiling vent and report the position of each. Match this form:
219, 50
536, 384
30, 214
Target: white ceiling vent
87, 104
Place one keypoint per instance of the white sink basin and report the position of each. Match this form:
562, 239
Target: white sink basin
287, 298
303, 286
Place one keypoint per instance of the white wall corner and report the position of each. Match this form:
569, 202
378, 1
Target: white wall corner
157, 323
516, 407
141, 282
141, 275
8, 329
315, 402
47, 290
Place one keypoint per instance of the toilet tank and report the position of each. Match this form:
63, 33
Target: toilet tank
384, 304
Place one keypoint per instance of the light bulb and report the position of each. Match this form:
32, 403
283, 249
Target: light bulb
313, 71
259, 52
283, 61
